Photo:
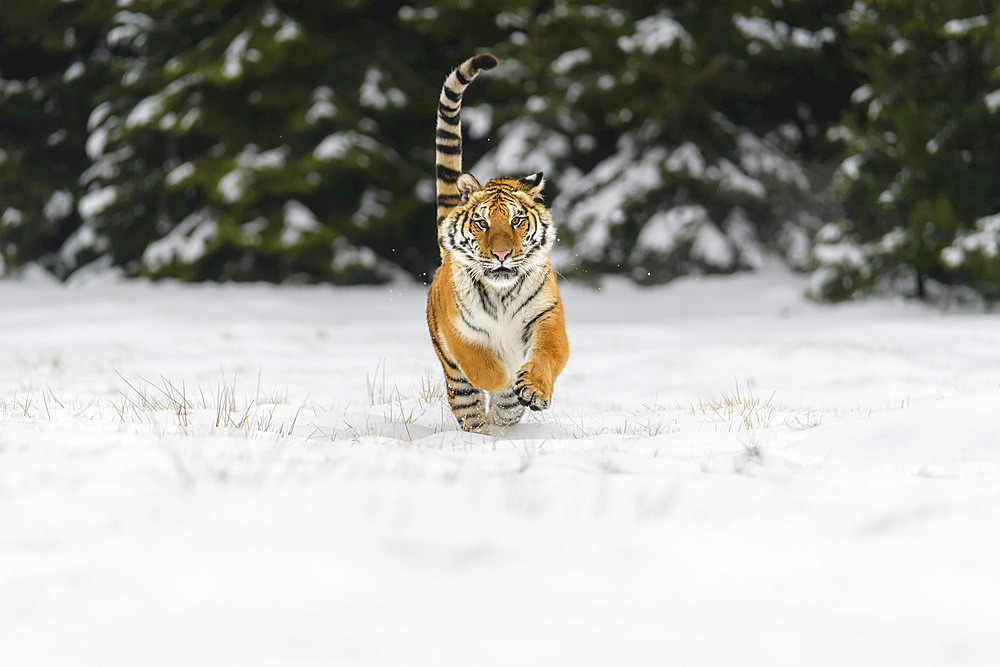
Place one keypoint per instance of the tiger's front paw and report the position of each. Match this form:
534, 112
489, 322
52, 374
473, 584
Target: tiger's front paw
532, 390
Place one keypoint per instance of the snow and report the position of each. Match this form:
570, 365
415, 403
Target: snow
851, 166
59, 205
299, 220
270, 17
347, 256
536, 104
953, 256
179, 174
83, 238
729, 475
911, 441
322, 106
408, 13
373, 93
232, 186
337, 145
251, 157
187, 242
602, 194
99, 115
778, 34
96, 201
712, 247
525, 147
570, 59
232, 67
477, 120
144, 112
888, 195
793, 239
757, 158
875, 109
656, 33
983, 240
900, 46
595, 203
892, 241
12, 217
844, 253
96, 142
731, 178
143, 21
288, 31
121, 35
130, 28
74, 71
742, 235
993, 100
374, 203
960, 27
686, 158
57, 137
664, 229
862, 94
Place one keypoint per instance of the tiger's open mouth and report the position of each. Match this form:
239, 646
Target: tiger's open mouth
502, 272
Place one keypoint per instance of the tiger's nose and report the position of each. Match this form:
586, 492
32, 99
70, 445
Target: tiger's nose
501, 255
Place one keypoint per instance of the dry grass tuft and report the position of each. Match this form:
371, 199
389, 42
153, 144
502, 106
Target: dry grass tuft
739, 409
148, 402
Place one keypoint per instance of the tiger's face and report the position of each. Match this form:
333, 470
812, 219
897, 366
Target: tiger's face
501, 230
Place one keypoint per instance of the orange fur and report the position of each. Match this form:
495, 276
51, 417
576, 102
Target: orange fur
493, 308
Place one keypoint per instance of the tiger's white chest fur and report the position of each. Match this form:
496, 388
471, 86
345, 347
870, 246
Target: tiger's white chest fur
499, 318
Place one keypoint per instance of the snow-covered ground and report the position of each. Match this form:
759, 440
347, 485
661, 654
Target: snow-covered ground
258, 475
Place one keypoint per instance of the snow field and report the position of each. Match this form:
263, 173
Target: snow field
270, 475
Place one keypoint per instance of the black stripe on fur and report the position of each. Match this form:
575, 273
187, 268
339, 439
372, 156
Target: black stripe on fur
447, 175
455, 149
448, 362
529, 327
533, 295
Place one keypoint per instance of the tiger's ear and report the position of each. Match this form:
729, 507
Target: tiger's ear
467, 184
533, 184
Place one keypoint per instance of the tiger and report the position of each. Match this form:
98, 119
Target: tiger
493, 308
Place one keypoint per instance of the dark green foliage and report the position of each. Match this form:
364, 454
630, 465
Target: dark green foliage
681, 137
50, 64
923, 138
281, 140
263, 142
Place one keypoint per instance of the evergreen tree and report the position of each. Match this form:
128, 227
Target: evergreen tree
51, 61
675, 134
252, 140
270, 140
919, 180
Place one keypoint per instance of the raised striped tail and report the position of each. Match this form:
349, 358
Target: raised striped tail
448, 141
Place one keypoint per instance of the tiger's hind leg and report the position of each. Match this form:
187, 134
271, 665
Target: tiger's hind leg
467, 403
505, 408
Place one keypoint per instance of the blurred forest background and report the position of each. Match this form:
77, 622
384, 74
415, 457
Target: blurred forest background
293, 141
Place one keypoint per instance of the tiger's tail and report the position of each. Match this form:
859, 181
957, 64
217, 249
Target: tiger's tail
448, 142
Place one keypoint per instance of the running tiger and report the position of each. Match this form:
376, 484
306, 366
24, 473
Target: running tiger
493, 308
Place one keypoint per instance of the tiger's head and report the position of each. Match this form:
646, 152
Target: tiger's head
501, 230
